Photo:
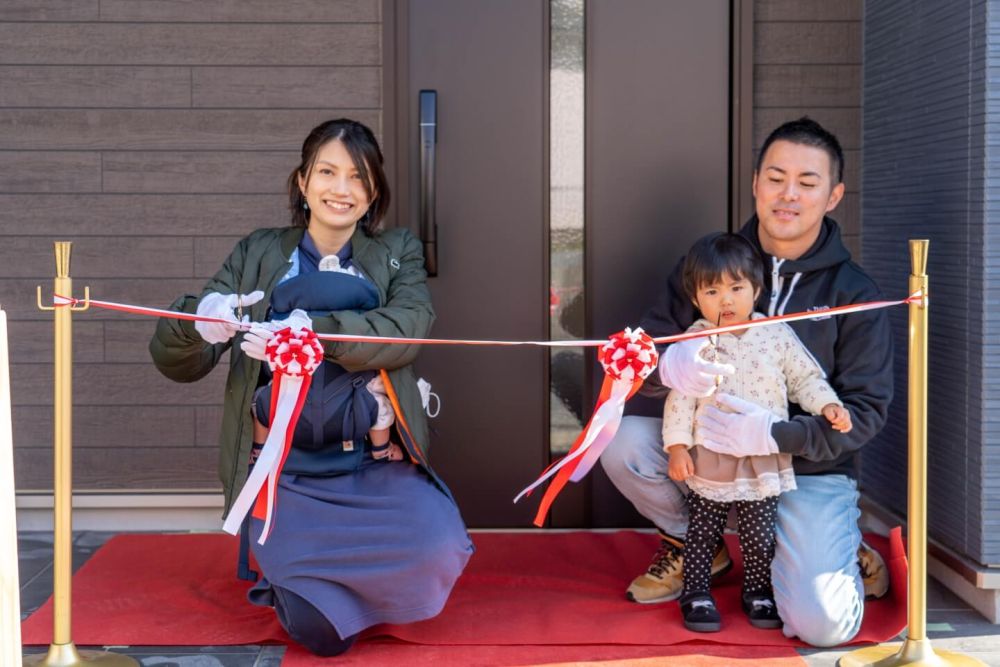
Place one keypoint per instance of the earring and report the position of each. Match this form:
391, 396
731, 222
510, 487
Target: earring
305, 206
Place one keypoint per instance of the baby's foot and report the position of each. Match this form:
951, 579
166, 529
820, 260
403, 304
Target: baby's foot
390, 451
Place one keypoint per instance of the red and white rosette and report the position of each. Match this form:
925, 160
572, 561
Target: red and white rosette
628, 358
293, 356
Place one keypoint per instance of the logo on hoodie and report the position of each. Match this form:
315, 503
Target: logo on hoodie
821, 317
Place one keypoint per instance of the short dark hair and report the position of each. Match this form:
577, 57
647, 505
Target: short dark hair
364, 150
807, 132
719, 254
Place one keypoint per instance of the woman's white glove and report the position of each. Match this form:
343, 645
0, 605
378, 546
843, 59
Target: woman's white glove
683, 369
746, 431
297, 319
255, 341
222, 306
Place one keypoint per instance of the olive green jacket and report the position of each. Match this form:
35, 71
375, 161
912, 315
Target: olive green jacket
393, 261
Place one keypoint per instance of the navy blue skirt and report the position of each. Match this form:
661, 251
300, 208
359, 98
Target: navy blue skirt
380, 545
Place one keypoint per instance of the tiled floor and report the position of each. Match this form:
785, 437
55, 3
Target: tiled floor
952, 625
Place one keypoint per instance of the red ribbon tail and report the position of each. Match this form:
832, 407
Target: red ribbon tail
260, 505
561, 477
555, 486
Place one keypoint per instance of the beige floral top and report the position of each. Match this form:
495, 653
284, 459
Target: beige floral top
772, 368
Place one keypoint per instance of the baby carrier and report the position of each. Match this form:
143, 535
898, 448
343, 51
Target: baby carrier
338, 410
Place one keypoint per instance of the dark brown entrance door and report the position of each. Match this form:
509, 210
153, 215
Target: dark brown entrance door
657, 175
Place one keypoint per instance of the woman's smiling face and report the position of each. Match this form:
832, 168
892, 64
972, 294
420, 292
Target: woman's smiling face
334, 189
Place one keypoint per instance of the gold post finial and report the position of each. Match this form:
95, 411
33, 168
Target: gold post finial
918, 257
63, 251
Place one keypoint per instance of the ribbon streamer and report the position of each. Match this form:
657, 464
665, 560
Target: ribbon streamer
628, 357
293, 356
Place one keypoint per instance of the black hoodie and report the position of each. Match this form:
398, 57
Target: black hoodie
854, 350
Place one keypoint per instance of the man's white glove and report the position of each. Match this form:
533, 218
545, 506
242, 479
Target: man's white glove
222, 306
683, 369
255, 340
746, 431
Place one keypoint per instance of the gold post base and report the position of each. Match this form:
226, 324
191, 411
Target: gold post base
910, 652
67, 655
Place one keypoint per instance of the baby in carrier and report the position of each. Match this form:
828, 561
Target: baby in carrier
340, 404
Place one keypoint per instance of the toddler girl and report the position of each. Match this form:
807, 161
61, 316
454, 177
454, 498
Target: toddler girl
723, 276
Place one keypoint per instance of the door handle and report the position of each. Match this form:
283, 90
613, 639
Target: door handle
428, 184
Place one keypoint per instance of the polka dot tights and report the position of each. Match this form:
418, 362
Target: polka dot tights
755, 519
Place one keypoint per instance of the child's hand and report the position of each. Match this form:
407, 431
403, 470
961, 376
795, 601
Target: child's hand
681, 463
839, 417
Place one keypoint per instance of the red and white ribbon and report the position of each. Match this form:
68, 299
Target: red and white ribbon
293, 355
628, 357
400, 340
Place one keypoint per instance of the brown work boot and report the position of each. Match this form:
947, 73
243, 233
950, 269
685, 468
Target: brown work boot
873, 572
664, 579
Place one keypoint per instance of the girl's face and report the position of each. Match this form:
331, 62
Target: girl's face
728, 301
334, 190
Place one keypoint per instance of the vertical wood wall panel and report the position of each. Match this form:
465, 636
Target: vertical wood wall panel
51, 171
94, 86
153, 134
50, 10
236, 44
249, 172
240, 11
283, 87
806, 10
165, 129
136, 215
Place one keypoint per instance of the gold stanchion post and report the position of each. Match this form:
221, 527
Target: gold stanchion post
62, 651
916, 649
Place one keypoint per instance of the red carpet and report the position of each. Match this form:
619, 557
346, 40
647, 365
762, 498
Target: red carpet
520, 589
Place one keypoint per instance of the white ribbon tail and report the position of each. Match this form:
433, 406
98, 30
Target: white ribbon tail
265, 470
606, 413
614, 406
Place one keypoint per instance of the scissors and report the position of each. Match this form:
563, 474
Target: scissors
714, 342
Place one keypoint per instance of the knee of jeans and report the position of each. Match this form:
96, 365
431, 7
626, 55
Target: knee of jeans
626, 459
822, 622
614, 463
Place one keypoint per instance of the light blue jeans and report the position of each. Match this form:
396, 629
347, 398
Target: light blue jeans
815, 574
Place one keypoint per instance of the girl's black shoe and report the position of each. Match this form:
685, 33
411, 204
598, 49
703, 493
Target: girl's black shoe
761, 611
700, 614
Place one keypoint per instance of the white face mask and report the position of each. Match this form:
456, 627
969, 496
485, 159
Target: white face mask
424, 387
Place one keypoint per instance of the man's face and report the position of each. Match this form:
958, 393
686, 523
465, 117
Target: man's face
793, 190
